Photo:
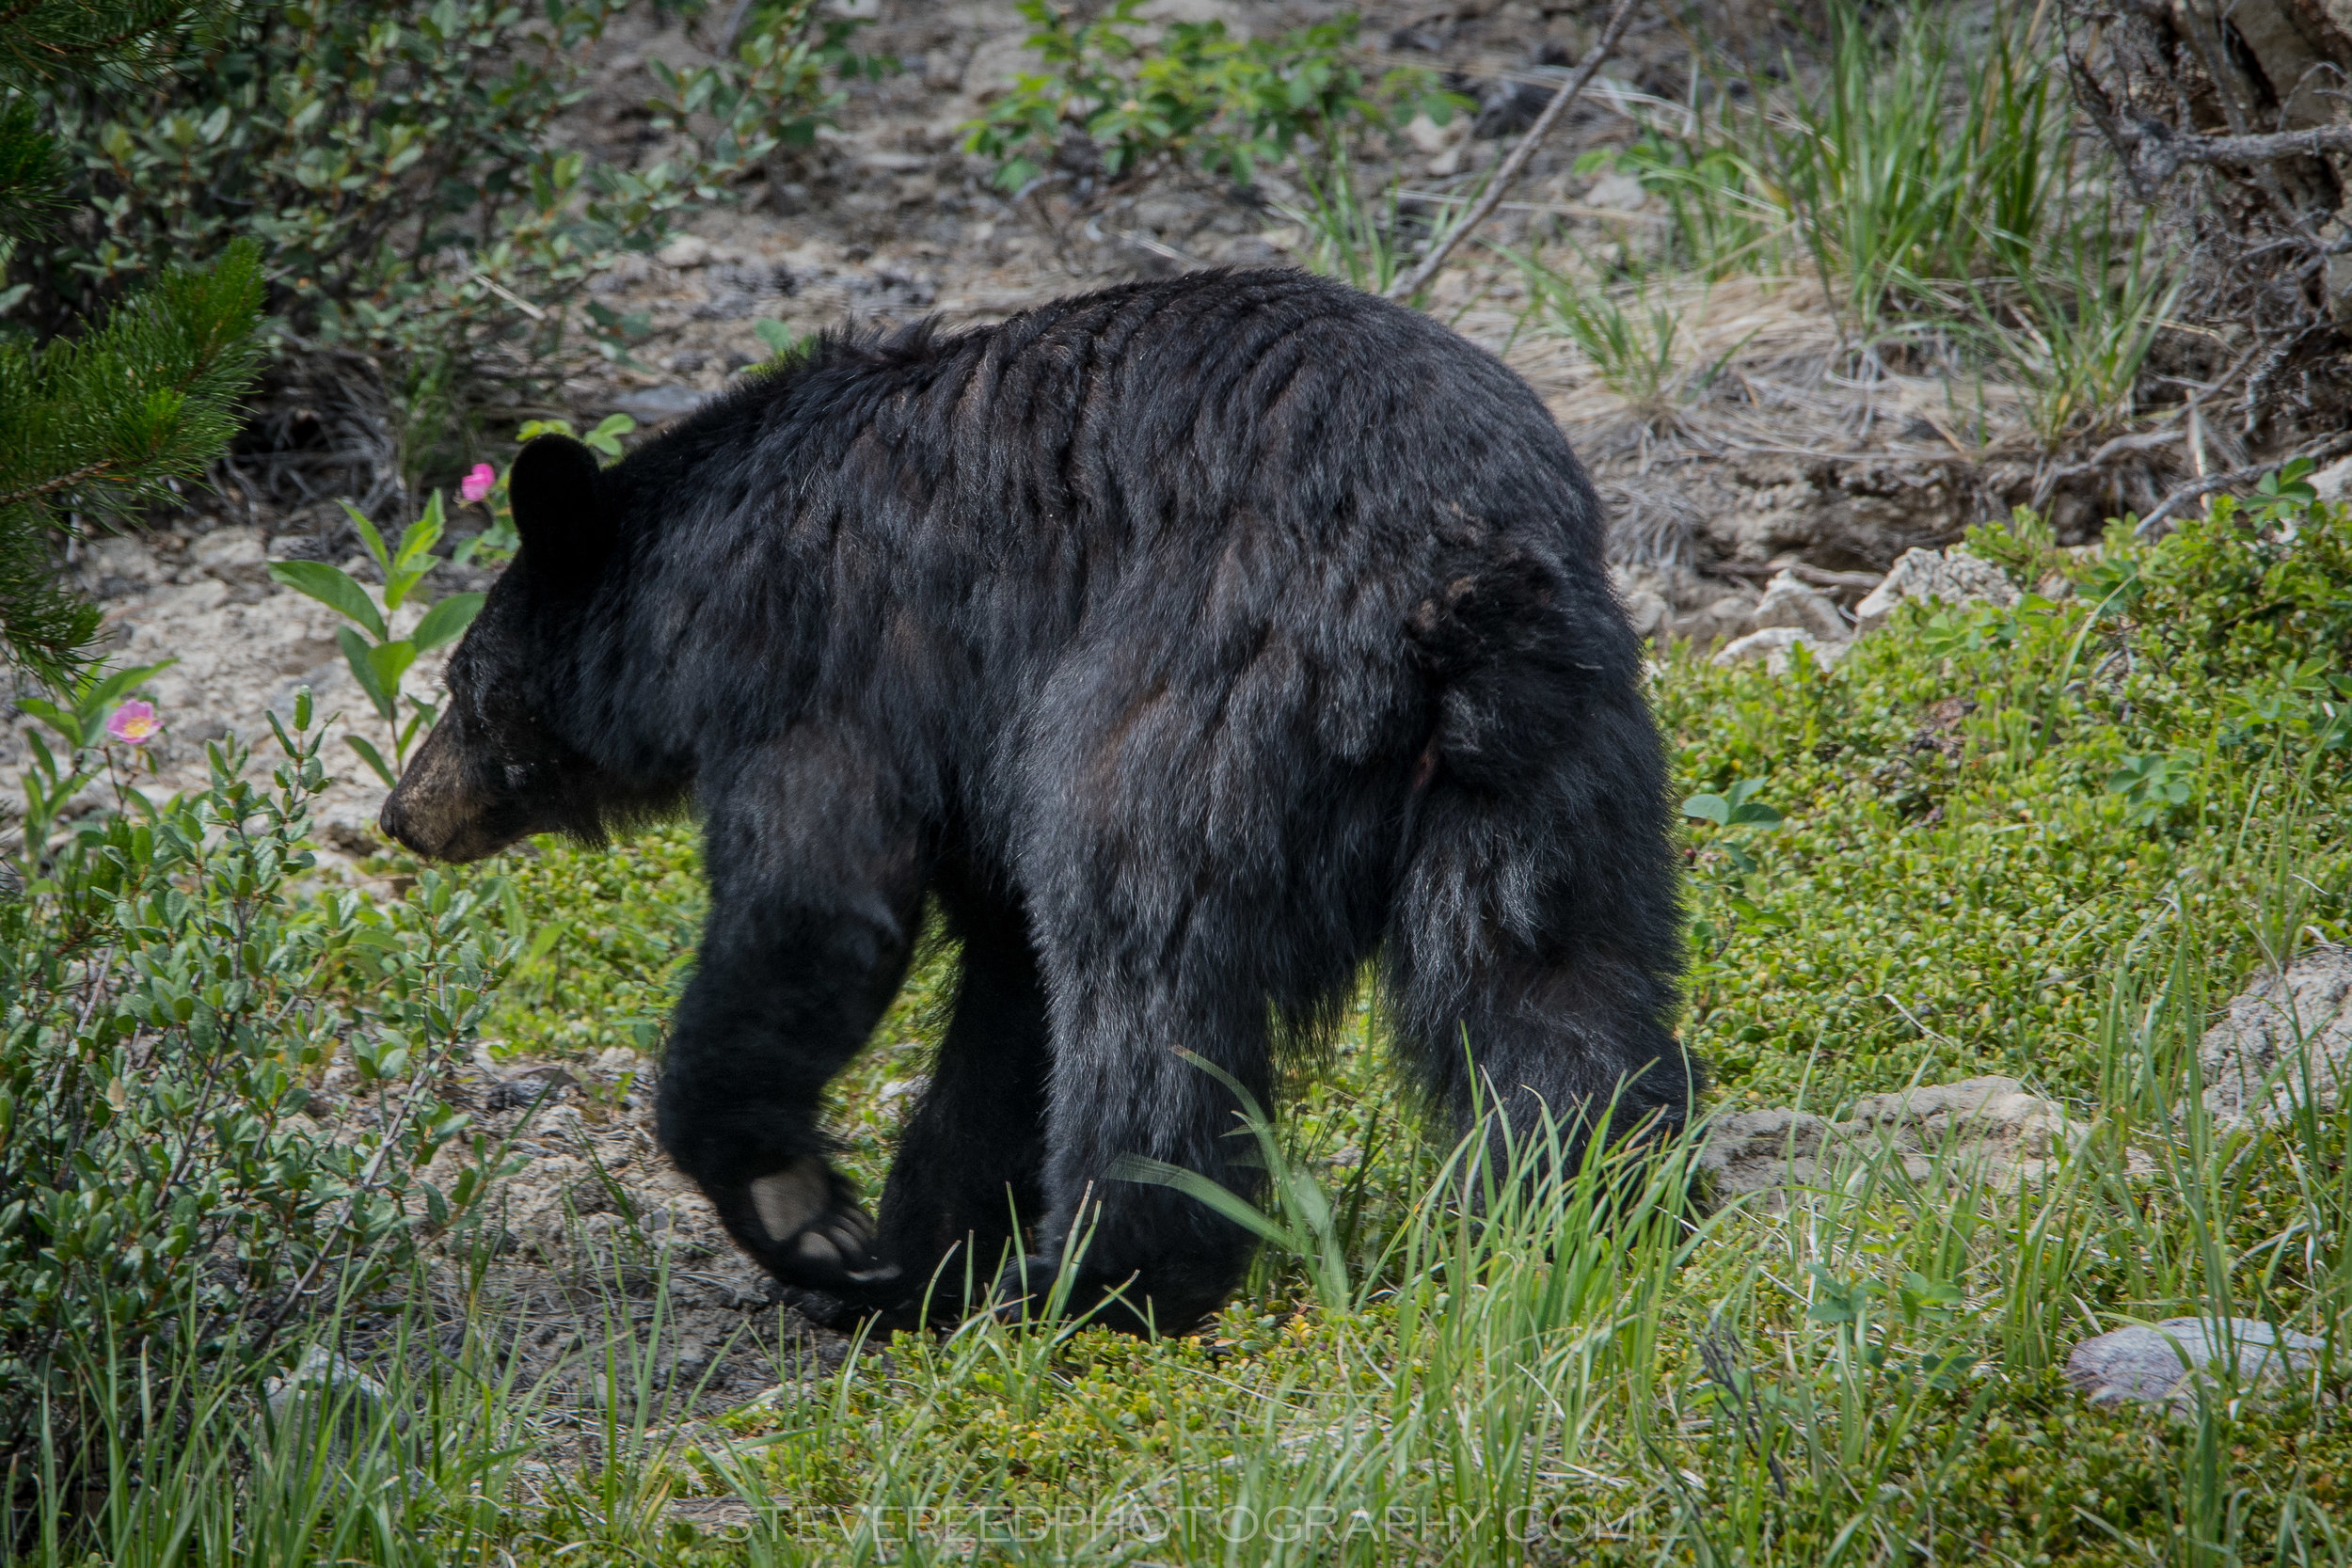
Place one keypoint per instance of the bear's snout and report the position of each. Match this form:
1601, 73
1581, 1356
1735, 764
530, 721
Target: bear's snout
432, 811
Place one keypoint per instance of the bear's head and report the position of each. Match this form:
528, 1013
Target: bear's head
494, 768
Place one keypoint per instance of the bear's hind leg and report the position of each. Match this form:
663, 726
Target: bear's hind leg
972, 1156
1150, 1258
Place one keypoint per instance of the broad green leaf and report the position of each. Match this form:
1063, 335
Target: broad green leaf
374, 759
391, 661
114, 684
445, 621
332, 587
64, 721
355, 654
420, 537
1708, 808
367, 536
606, 437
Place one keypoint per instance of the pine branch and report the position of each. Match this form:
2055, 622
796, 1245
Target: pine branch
51, 40
104, 423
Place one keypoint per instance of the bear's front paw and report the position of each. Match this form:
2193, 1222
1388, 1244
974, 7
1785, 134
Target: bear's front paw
813, 1232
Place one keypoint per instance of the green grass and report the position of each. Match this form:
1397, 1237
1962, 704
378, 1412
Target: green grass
1869, 1375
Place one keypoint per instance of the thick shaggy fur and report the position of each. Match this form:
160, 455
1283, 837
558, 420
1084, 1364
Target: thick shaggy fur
1192, 641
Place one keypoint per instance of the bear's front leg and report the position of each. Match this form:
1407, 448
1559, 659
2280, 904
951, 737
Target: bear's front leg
800, 957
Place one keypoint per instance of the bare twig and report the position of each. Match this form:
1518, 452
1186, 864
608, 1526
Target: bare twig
2335, 446
1418, 280
2158, 151
2123, 446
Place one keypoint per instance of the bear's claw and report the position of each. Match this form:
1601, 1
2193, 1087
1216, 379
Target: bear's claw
817, 1236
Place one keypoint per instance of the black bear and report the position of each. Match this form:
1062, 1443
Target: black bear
1190, 642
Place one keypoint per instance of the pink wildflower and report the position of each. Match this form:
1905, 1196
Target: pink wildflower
135, 724
477, 483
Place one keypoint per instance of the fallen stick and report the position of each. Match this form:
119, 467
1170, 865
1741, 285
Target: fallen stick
2335, 446
1418, 280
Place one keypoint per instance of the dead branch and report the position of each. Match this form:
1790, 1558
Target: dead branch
1508, 171
2151, 525
2158, 151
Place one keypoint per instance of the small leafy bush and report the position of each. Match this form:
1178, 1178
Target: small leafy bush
1198, 96
170, 1181
403, 168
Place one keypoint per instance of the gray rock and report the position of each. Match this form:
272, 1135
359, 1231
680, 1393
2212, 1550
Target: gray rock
1989, 1128
2162, 1365
1773, 646
1649, 612
326, 1398
1948, 577
2286, 1040
1788, 602
2333, 482
654, 405
228, 546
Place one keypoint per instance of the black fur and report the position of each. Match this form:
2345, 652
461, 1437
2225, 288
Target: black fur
1191, 642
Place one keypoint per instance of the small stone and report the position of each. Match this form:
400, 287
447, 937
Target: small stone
1774, 645
1648, 611
327, 1398
1618, 193
542, 1084
1788, 602
685, 250
2333, 482
1947, 576
2163, 1363
228, 546
1163, 215
1430, 138
614, 1060
2285, 1041
656, 406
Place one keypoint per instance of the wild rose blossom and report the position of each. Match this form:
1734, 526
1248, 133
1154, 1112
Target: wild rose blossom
135, 724
478, 482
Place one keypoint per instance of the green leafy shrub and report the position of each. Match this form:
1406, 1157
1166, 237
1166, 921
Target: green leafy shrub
2255, 587
1198, 95
164, 1183
403, 169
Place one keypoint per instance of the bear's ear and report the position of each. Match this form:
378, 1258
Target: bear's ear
560, 510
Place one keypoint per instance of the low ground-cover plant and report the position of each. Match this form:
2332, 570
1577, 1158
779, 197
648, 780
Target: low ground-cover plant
172, 1192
